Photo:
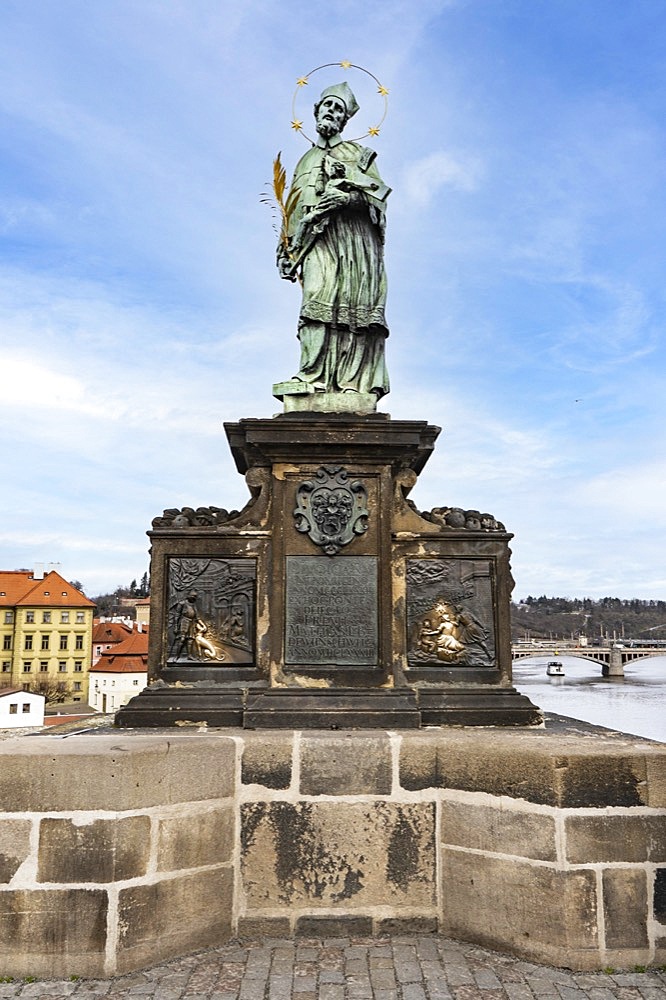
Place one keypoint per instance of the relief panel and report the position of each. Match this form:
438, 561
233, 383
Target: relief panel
450, 619
211, 611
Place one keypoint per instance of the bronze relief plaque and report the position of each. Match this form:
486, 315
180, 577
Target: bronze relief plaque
211, 611
331, 611
450, 619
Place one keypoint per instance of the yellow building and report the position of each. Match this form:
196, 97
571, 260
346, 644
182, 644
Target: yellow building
45, 634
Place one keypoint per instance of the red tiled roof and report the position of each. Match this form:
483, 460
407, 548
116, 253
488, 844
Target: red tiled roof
128, 656
109, 631
22, 590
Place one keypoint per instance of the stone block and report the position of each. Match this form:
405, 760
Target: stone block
172, 917
333, 927
115, 773
52, 932
656, 778
14, 846
501, 830
255, 928
267, 760
625, 908
325, 854
345, 764
200, 838
106, 850
547, 768
533, 910
632, 839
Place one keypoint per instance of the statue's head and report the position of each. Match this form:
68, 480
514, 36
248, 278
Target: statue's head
334, 108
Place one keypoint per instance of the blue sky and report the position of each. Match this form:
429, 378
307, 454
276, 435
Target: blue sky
140, 307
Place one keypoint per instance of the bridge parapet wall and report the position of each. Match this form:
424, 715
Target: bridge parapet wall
119, 851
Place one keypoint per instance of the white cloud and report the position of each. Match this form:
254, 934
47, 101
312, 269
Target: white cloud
423, 178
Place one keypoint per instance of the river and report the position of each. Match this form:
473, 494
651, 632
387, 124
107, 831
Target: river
635, 705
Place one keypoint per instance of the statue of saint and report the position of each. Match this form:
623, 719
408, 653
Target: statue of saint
336, 245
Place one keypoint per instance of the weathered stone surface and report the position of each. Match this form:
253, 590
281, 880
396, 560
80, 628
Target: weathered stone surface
345, 764
544, 768
173, 916
334, 927
398, 926
14, 846
498, 829
106, 850
322, 854
532, 910
51, 932
262, 927
625, 908
659, 895
635, 838
115, 772
200, 838
656, 778
267, 760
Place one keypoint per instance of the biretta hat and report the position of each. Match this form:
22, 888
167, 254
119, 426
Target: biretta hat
344, 93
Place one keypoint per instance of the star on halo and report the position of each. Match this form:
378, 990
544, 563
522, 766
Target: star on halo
382, 90
346, 64
302, 81
296, 125
373, 130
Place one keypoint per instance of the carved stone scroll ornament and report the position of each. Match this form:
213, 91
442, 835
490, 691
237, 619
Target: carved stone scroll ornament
330, 509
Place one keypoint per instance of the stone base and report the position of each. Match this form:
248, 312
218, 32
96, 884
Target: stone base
475, 707
254, 706
168, 705
302, 397
289, 708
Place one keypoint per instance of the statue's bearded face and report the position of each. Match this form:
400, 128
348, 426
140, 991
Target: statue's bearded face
330, 116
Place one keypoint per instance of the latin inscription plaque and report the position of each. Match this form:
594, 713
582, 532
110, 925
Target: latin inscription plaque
331, 611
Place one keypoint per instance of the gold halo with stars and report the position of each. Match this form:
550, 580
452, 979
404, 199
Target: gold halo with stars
373, 130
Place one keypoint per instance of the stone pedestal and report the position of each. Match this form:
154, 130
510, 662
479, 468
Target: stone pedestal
329, 601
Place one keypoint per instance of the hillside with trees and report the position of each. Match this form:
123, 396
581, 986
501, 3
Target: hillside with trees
598, 620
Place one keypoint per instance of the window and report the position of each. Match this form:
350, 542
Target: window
6, 666
62, 686
78, 666
6, 642
135, 682
45, 640
26, 687
62, 666
26, 707
9, 617
28, 642
13, 709
64, 617
43, 666
63, 593
30, 617
79, 642
46, 617
27, 666
63, 641
77, 685
80, 617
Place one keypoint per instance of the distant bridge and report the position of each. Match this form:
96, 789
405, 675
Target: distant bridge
612, 659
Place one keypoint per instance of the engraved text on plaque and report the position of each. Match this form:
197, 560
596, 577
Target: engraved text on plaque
331, 611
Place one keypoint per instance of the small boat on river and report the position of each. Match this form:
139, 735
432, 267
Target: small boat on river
555, 668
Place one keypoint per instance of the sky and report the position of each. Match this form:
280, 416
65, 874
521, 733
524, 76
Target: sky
140, 308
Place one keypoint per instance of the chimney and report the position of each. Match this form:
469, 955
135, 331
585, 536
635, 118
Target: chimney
54, 567
38, 571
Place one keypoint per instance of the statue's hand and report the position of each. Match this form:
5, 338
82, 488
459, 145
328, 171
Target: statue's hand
286, 268
333, 199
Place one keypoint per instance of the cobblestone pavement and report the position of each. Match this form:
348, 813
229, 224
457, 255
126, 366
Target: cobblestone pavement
404, 968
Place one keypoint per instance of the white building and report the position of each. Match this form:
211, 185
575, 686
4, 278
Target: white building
20, 708
119, 674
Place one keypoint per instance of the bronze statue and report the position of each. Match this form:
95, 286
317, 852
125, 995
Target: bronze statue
335, 246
